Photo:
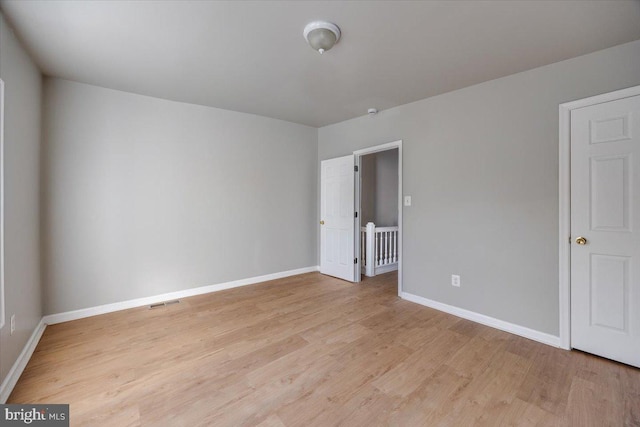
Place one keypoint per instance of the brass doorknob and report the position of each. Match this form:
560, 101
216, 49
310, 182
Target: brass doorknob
321, 222
581, 240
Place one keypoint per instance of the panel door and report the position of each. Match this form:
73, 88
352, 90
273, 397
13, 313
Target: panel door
337, 201
605, 235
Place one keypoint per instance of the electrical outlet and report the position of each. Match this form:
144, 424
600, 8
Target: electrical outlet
455, 280
13, 323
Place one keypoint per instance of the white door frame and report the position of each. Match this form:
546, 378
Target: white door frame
2, 196
564, 179
358, 154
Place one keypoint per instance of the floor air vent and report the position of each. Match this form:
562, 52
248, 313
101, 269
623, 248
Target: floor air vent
163, 304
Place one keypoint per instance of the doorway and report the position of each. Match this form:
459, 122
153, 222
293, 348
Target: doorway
599, 217
379, 204
340, 215
378, 212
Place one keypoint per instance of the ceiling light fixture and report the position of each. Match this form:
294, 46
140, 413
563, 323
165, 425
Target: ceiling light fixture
321, 35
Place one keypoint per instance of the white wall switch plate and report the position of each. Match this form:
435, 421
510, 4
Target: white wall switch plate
407, 200
13, 324
455, 280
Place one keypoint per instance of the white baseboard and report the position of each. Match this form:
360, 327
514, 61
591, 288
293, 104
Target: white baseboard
52, 319
386, 268
381, 270
522, 331
16, 370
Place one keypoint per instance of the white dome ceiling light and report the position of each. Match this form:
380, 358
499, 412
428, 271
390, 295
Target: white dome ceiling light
321, 35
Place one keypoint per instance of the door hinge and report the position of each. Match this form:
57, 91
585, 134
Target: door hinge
355, 260
355, 168
356, 214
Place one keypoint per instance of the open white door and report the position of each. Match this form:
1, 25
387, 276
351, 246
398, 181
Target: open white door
337, 224
605, 229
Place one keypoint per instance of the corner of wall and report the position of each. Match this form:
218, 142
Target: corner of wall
22, 150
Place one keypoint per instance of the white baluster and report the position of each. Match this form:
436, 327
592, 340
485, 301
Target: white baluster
370, 263
363, 249
395, 246
386, 248
393, 236
377, 257
388, 245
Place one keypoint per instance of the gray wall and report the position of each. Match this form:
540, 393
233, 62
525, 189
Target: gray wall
145, 196
368, 189
482, 166
22, 186
379, 189
387, 188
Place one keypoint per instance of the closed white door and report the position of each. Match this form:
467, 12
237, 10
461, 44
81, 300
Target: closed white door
605, 230
337, 201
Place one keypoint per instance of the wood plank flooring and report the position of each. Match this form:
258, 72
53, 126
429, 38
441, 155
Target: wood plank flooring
311, 350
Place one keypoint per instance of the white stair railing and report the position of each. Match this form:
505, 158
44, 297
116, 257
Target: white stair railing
378, 249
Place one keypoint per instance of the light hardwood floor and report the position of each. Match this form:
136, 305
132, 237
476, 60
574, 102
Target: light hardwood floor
311, 350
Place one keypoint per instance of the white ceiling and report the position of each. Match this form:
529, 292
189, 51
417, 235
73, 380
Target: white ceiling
251, 56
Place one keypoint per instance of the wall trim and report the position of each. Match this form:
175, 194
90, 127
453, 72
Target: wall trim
16, 370
564, 190
522, 331
52, 319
